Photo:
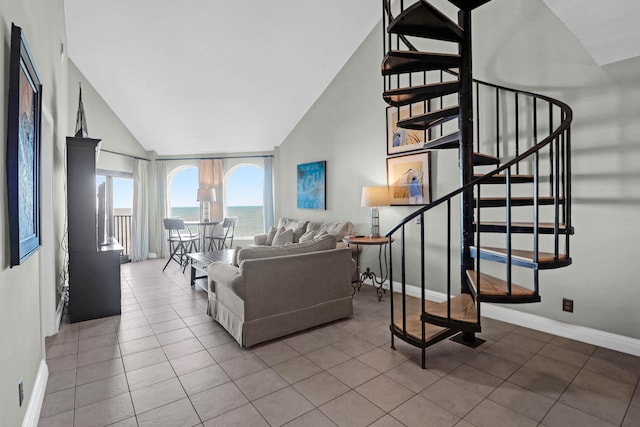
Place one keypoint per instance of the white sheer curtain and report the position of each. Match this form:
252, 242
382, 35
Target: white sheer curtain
267, 194
160, 207
139, 227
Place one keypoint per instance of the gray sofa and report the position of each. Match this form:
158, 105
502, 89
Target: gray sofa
272, 291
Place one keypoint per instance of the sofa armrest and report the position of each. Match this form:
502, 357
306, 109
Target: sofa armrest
260, 239
223, 274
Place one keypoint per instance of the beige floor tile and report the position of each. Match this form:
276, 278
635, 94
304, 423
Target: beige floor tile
313, 418
537, 382
618, 357
174, 336
304, 343
282, 406
508, 352
129, 422
135, 333
275, 353
134, 320
532, 333
97, 342
63, 363
218, 400
555, 368
491, 414
573, 345
139, 345
412, 376
452, 397
622, 391
61, 381
418, 411
150, 375
141, 360
176, 414
632, 418
192, 362
105, 412
330, 334
494, 365
101, 390
351, 409
205, 328
243, 366
156, 395
387, 421
613, 370
474, 380
593, 403
197, 319
170, 325
566, 355
99, 371
385, 393
260, 383
229, 351
353, 372
202, 379
321, 388
64, 419
161, 317
215, 339
522, 401
296, 369
354, 346
58, 402
101, 327
327, 357
244, 416
98, 355
565, 416
182, 348
64, 349
382, 360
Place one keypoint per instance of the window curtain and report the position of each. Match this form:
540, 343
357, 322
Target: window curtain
139, 227
267, 194
210, 175
160, 208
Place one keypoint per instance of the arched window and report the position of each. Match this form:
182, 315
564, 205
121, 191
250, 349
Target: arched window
183, 191
243, 198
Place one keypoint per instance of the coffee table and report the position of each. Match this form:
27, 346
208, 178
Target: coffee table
200, 261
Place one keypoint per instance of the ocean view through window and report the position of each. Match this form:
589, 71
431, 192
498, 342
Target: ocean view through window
243, 198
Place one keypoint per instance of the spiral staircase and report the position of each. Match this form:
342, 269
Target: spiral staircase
512, 208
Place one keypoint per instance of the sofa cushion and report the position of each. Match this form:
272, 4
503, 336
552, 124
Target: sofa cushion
298, 226
325, 243
307, 237
338, 229
282, 237
270, 235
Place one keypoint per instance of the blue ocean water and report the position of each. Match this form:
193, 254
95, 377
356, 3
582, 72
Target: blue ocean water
250, 218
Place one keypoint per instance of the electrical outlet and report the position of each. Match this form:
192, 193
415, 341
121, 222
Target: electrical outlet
20, 391
567, 305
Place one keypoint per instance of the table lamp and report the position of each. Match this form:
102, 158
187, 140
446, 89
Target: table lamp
205, 197
372, 197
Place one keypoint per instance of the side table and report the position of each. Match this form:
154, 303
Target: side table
378, 282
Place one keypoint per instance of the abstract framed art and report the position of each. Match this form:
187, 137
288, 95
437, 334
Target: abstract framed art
409, 179
311, 183
401, 140
23, 150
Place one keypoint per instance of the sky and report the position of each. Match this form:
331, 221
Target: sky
244, 188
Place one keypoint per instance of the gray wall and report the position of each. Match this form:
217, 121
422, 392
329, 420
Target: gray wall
21, 348
517, 43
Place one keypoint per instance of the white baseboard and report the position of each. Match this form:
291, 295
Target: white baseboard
567, 330
32, 415
59, 312
152, 255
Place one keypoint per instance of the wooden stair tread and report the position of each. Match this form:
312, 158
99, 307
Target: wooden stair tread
490, 285
448, 141
463, 309
543, 257
502, 178
430, 119
421, 19
410, 95
518, 201
409, 61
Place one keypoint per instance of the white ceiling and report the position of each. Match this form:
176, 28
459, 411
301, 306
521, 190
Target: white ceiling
608, 29
212, 76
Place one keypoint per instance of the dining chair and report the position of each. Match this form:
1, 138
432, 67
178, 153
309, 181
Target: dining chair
181, 241
220, 235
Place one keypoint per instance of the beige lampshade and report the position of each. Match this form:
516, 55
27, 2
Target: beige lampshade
377, 195
206, 195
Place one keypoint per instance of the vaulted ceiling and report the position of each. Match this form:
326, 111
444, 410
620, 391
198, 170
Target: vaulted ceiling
212, 76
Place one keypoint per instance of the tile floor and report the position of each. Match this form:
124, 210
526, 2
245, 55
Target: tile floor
163, 362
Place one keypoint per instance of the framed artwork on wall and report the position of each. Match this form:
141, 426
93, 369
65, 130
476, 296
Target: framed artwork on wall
311, 185
409, 179
400, 140
23, 150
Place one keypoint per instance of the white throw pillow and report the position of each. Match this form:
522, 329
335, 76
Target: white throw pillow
270, 235
307, 237
282, 236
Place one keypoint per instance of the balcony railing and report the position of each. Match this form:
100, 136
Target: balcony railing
122, 232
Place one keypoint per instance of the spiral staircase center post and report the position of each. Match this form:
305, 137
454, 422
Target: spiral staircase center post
466, 153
